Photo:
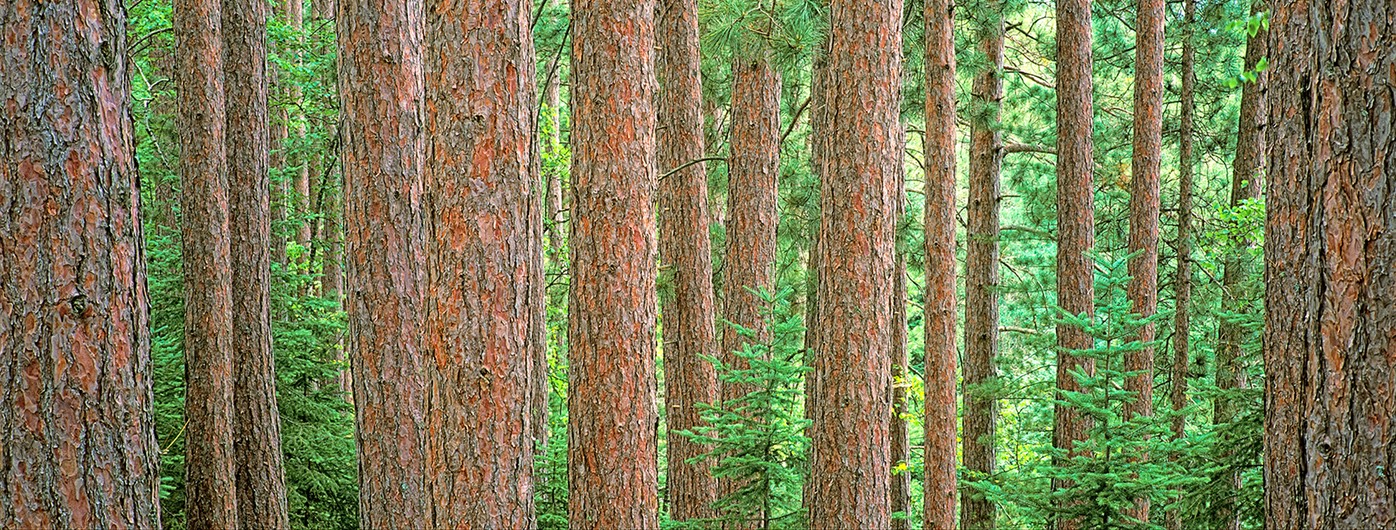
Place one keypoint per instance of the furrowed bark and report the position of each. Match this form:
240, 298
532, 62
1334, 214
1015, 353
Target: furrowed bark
79, 445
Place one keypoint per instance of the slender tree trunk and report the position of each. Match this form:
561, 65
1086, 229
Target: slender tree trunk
1330, 248
818, 124
208, 317
612, 421
79, 446
300, 179
982, 271
1075, 220
380, 88
849, 485
552, 203
1183, 280
277, 147
939, 291
686, 270
484, 306
901, 364
752, 204
261, 480
1144, 211
1247, 170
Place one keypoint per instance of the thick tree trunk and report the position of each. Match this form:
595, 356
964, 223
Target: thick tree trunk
208, 317
612, 421
752, 203
1075, 219
261, 481
1247, 170
1330, 249
484, 305
848, 485
686, 270
1183, 279
982, 270
1144, 210
940, 376
380, 88
79, 445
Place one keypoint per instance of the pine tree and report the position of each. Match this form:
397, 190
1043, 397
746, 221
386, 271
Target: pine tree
612, 421
1330, 244
686, 272
757, 439
483, 328
380, 51
208, 318
79, 448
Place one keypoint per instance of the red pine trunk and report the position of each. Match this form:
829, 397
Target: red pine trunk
1075, 217
612, 421
484, 306
208, 317
380, 88
1330, 249
982, 273
849, 485
940, 375
686, 270
79, 446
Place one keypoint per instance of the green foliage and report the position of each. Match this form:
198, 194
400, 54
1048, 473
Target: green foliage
757, 440
1124, 457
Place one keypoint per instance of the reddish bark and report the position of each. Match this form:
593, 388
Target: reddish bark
1144, 210
208, 317
1075, 218
484, 306
1330, 249
939, 322
1183, 278
848, 485
79, 446
261, 483
380, 88
612, 421
982, 271
686, 270
752, 203
901, 365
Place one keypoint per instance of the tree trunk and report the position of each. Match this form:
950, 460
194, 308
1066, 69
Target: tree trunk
1247, 170
982, 271
208, 317
686, 270
552, 204
300, 176
1075, 220
901, 364
1330, 248
939, 317
612, 421
818, 125
1144, 211
380, 88
1183, 280
752, 204
79, 445
484, 305
261, 481
848, 485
